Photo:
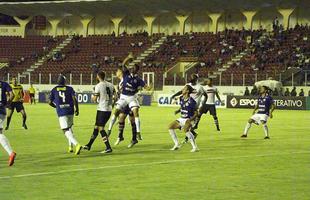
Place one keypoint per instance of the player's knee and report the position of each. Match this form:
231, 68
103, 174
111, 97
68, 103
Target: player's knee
263, 122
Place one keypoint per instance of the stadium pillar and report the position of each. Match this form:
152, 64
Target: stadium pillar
249, 19
149, 20
23, 23
85, 22
214, 17
54, 23
286, 13
116, 21
182, 19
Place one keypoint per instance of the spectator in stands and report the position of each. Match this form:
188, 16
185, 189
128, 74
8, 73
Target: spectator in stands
293, 92
275, 92
95, 68
287, 92
247, 91
254, 91
301, 93
309, 93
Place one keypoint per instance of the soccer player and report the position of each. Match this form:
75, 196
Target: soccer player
17, 103
32, 93
197, 94
122, 117
104, 92
132, 83
208, 104
188, 114
63, 98
6, 97
265, 107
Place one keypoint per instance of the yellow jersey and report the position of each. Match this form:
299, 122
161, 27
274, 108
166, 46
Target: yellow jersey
18, 93
32, 90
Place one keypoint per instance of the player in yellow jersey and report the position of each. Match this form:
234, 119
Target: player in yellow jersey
17, 103
32, 93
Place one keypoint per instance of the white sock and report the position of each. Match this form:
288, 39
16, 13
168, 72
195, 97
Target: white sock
174, 137
247, 128
191, 139
137, 121
5, 143
265, 127
70, 137
112, 122
70, 143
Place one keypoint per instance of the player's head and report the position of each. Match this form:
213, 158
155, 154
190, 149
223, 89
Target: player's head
14, 81
101, 76
209, 81
187, 90
263, 89
194, 78
61, 80
134, 69
119, 73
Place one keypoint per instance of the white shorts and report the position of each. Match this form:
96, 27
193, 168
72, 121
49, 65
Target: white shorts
258, 118
2, 119
66, 121
124, 100
182, 121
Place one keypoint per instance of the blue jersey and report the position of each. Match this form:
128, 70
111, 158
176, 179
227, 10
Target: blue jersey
62, 97
188, 107
264, 104
5, 87
131, 84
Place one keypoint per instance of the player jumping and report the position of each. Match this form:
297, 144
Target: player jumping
265, 107
104, 92
63, 98
188, 115
6, 97
17, 103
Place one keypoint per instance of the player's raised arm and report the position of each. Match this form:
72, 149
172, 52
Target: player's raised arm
176, 94
126, 61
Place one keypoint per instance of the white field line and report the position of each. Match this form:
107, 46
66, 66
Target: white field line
146, 164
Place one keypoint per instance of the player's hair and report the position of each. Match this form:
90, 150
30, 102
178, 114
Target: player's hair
190, 89
101, 75
61, 80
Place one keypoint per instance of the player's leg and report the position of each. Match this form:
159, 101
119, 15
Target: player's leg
5, 142
263, 121
24, 115
135, 111
134, 131
113, 119
191, 137
213, 113
9, 116
247, 127
172, 127
95, 132
101, 124
66, 122
121, 126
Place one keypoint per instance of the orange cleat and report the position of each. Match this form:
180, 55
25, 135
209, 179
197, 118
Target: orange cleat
12, 158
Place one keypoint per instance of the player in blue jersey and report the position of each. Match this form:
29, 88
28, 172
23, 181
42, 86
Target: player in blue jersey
6, 98
189, 113
132, 83
63, 98
264, 107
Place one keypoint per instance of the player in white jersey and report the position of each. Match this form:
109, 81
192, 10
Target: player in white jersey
208, 104
104, 94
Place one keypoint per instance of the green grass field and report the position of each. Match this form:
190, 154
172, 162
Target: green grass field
227, 167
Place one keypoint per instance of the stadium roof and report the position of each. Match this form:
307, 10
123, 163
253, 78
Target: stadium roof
145, 7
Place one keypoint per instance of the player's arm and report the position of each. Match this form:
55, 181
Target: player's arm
255, 109
176, 94
177, 111
126, 61
76, 105
10, 96
51, 100
272, 108
218, 96
95, 95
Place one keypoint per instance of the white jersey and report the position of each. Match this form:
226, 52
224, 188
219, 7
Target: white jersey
197, 93
211, 91
105, 91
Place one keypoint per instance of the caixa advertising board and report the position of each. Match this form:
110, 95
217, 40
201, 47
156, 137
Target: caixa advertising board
285, 103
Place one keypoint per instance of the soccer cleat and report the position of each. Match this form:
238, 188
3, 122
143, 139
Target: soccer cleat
139, 136
175, 147
7, 128
118, 141
25, 126
132, 143
78, 149
194, 149
244, 136
267, 137
87, 147
107, 151
12, 158
70, 149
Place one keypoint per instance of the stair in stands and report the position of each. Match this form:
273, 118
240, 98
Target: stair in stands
148, 51
44, 58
